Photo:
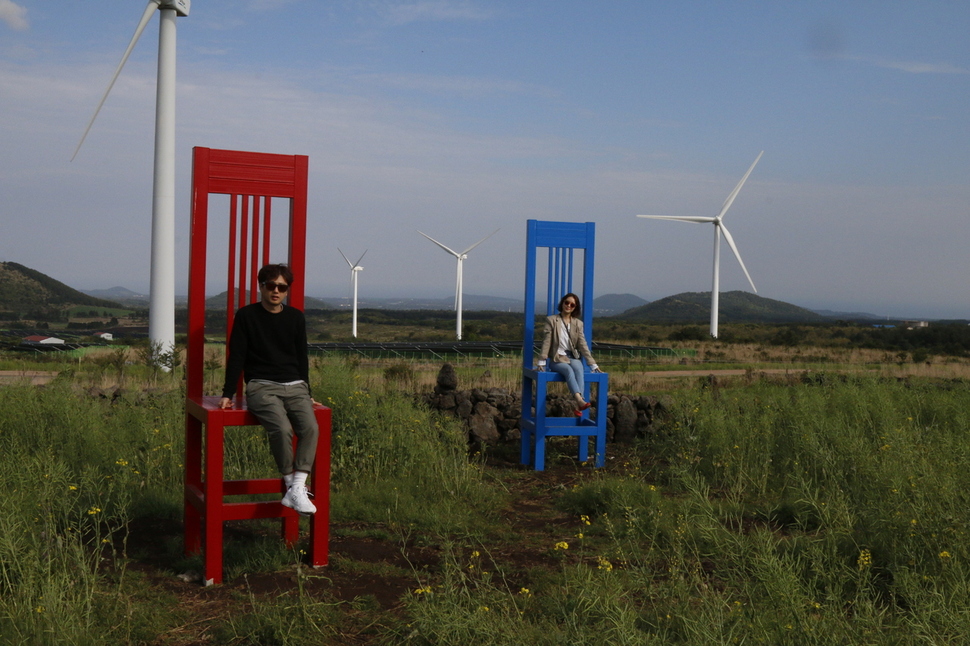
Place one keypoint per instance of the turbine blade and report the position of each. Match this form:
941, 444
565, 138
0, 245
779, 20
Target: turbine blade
730, 199
357, 264
679, 218
149, 10
451, 251
481, 241
345, 258
734, 248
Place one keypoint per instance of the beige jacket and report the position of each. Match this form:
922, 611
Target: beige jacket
577, 340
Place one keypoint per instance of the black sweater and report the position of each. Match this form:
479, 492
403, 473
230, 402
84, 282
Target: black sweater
267, 346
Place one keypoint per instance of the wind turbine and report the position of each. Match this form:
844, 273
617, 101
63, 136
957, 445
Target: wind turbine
461, 258
354, 269
719, 228
161, 309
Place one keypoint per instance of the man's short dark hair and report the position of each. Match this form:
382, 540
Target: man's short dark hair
272, 272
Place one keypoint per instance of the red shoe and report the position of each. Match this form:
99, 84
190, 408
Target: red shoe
585, 406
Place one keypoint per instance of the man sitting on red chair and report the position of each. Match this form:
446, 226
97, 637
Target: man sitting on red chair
268, 346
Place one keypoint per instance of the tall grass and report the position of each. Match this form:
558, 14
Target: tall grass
828, 512
397, 462
79, 468
74, 466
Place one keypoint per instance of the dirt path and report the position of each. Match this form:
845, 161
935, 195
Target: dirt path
719, 373
35, 377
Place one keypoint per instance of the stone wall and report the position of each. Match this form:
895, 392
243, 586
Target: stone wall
491, 415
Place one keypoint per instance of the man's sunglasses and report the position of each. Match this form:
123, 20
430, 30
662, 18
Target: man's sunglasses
271, 286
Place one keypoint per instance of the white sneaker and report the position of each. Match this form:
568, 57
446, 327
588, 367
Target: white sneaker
297, 499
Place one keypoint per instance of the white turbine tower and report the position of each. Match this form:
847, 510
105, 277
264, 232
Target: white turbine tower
161, 310
461, 258
355, 268
719, 228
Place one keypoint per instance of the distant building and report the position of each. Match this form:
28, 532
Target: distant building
914, 324
42, 340
104, 336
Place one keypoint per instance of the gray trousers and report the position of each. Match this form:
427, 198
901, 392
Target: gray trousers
285, 412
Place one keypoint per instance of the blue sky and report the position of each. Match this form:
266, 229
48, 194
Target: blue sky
457, 118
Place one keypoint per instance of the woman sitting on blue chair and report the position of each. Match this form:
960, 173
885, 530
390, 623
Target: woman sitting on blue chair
563, 344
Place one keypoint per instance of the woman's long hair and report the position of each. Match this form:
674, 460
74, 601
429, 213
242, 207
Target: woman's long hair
577, 311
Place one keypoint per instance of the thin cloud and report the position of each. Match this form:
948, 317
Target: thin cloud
827, 45
269, 5
922, 68
910, 67
462, 85
432, 11
14, 15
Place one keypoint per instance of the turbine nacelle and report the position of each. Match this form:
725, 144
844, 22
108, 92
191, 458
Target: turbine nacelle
181, 6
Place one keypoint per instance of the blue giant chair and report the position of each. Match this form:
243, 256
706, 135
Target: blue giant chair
569, 248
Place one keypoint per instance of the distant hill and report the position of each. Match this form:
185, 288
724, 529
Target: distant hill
849, 316
24, 290
469, 302
218, 302
734, 307
612, 304
121, 295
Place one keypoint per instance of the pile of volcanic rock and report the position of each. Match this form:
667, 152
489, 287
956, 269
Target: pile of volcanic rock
491, 415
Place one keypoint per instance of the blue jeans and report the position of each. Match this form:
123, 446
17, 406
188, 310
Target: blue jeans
572, 372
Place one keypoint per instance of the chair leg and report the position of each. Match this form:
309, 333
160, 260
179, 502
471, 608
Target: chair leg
540, 452
320, 487
525, 446
525, 435
213, 489
289, 524
601, 449
193, 477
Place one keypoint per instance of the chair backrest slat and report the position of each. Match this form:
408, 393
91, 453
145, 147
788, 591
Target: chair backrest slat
560, 241
252, 181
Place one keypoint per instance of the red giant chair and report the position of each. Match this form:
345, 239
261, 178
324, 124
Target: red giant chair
252, 181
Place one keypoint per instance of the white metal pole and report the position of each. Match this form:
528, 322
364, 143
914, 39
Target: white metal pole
161, 311
716, 285
458, 305
354, 271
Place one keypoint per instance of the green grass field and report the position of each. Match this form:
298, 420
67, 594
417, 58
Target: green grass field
827, 509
